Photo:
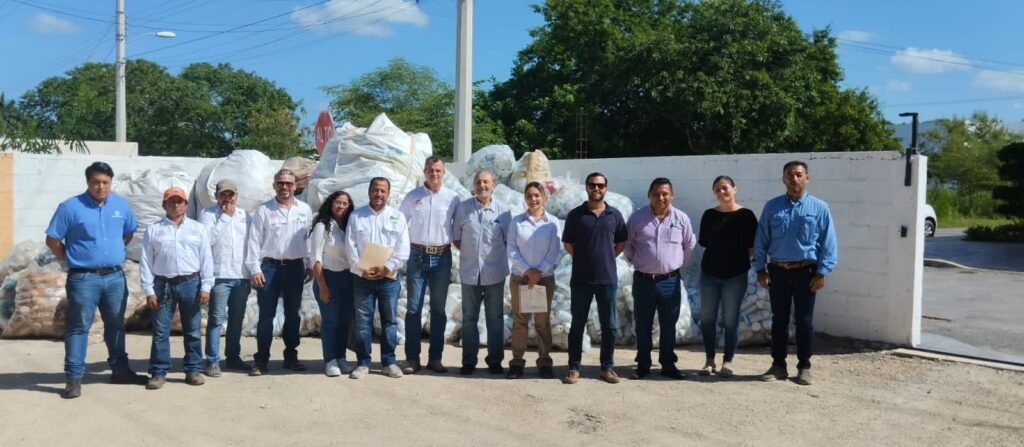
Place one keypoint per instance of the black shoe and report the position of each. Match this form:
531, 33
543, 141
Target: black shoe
127, 378
258, 370
72, 389
294, 365
495, 369
547, 372
237, 364
776, 372
641, 371
673, 373
514, 372
437, 366
467, 370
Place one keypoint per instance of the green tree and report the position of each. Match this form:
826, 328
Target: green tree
671, 77
415, 99
1011, 171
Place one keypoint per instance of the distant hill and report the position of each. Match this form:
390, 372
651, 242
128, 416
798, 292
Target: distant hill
903, 130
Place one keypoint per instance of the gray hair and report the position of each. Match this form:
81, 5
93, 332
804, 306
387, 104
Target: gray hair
477, 175
284, 171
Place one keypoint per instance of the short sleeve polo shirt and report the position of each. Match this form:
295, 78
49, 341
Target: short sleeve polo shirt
593, 238
93, 235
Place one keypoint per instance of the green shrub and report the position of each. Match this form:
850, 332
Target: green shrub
1003, 233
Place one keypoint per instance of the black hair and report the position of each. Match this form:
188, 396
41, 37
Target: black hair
379, 179
325, 216
726, 178
658, 182
595, 174
98, 167
796, 163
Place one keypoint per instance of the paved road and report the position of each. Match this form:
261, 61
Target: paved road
948, 245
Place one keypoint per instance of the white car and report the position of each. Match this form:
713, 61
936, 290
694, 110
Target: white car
930, 221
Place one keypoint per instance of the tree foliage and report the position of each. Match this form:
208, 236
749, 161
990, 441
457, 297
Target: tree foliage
415, 99
1012, 172
671, 77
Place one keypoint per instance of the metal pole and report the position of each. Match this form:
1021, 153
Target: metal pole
912, 150
120, 116
464, 82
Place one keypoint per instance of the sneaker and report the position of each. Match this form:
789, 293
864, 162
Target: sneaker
726, 371
72, 389
673, 373
127, 378
258, 370
572, 377
609, 376
331, 369
212, 370
344, 366
436, 366
708, 369
776, 372
547, 372
803, 376
194, 378
359, 372
641, 371
514, 372
294, 365
155, 382
392, 371
411, 368
236, 363
495, 369
467, 369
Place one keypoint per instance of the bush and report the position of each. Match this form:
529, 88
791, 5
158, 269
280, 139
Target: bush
950, 203
1003, 233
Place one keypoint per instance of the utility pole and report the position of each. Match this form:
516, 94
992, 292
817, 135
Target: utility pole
120, 116
463, 82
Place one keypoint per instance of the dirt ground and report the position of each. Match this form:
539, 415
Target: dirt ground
863, 396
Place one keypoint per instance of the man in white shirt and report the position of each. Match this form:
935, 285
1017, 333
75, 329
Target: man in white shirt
276, 256
227, 226
429, 211
385, 228
176, 269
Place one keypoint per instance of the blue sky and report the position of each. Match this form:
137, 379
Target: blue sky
938, 57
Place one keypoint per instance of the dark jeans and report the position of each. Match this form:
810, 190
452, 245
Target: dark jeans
434, 271
87, 292
663, 296
335, 316
183, 296
580, 296
284, 281
790, 291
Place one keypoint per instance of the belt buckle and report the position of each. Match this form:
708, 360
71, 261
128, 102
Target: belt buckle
433, 250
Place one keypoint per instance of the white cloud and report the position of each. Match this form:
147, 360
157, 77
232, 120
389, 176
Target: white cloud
44, 23
363, 17
1000, 80
896, 85
860, 36
932, 61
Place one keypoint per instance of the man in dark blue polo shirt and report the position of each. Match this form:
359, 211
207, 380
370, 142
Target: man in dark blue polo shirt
88, 234
595, 233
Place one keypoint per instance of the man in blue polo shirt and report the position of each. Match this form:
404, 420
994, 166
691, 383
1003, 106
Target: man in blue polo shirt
794, 250
88, 234
595, 233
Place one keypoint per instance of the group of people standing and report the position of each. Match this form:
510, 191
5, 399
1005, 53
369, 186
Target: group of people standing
352, 255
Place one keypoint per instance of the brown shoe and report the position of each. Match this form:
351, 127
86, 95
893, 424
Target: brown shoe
572, 377
411, 368
437, 366
194, 378
776, 372
609, 376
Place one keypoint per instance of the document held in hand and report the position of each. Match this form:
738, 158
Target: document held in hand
533, 300
375, 256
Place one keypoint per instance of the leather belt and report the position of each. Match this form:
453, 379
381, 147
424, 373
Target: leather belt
282, 261
102, 271
436, 250
656, 276
175, 280
793, 265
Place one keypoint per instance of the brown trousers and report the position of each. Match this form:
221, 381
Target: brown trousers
521, 322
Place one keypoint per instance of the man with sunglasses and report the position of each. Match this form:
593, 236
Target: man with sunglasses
595, 233
276, 256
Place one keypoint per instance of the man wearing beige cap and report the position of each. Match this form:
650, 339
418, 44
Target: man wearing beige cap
175, 269
227, 226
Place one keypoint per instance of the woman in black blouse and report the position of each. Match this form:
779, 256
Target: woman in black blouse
727, 235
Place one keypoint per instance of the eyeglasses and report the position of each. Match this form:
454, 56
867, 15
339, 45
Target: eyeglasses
284, 183
597, 185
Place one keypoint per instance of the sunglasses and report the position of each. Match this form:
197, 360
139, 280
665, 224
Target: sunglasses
597, 185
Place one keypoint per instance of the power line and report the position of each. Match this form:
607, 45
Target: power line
957, 101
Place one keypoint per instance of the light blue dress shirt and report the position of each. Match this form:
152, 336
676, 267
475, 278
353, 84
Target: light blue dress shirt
791, 231
483, 232
534, 243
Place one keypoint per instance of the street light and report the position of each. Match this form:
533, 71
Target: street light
120, 115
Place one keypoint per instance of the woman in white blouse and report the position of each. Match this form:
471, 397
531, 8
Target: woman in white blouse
533, 248
333, 286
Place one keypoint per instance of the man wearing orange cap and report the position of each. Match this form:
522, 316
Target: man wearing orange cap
176, 269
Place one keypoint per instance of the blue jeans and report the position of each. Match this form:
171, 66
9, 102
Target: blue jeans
425, 270
185, 296
335, 316
580, 296
86, 292
791, 290
727, 293
663, 296
492, 297
384, 294
279, 281
228, 295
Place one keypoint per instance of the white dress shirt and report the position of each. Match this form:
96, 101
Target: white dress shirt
171, 250
534, 244
387, 228
328, 248
430, 215
278, 232
227, 240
